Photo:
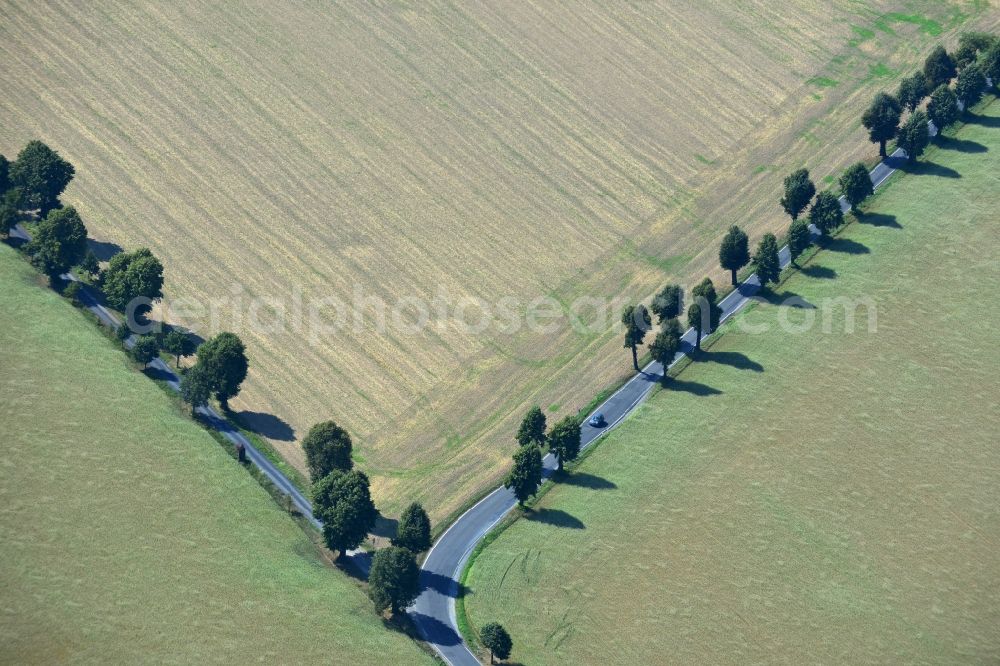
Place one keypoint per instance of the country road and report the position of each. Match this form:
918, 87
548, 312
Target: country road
434, 610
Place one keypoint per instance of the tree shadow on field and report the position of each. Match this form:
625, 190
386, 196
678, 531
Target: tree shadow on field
736, 360
694, 388
266, 425
787, 299
985, 121
103, 250
929, 169
879, 220
385, 527
555, 517
961, 145
845, 245
819, 272
584, 480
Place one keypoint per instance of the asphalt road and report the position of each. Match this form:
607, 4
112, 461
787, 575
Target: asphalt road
434, 610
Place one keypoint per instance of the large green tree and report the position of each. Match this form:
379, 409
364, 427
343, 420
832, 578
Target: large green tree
178, 343
637, 324
564, 440
766, 260
8, 217
943, 108
704, 294
343, 502
881, 119
913, 135
799, 238
912, 91
496, 639
414, 529
856, 185
42, 176
825, 213
939, 68
145, 349
4, 175
196, 388
132, 275
991, 64
532, 428
734, 252
60, 242
327, 447
970, 85
799, 190
394, 579
526, 474
225, 362
667, 343
668, 303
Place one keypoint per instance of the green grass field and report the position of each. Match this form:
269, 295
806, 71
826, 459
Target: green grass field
817, 497
128, 535
511, 150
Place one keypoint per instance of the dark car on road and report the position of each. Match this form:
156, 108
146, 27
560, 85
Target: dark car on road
597, 420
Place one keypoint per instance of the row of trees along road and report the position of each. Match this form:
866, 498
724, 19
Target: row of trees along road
563, 440
342, 502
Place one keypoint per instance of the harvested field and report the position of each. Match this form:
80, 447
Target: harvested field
490, 150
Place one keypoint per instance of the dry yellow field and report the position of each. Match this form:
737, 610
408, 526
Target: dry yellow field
492, 150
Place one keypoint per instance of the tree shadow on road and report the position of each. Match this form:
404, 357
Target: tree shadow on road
879, 220
555, 517
694, 388
584, 480
819, 272
158, 374
961, 145
437, 631
845, 245
445, 585
737, 360
267, 425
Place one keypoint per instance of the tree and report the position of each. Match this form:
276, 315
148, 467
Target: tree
668, 303
943, 108
132, 275
414, 529
328, 448
225, 362
564, 440
145, 349
4, 175
734, 252
195, 387
913, 135
667, 343
72, 292
939, 68
766, 259
799, 238
8, 217
882, 120
856, 185
695, 321
798, 191
496, 639
394, 579
825, 213
970, 85
637, 323
991, 64
970, 46
343, 502
704, 294
59, 243
90, 265
526, 474
912, 91
532, 428
42, 176
178, 343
